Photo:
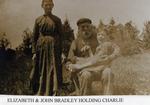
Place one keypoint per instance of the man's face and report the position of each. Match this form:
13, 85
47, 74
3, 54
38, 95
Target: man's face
47, 6
86, 30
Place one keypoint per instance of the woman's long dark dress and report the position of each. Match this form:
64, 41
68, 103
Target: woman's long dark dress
47, 71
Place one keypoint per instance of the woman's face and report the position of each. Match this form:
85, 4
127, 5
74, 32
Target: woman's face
47, 6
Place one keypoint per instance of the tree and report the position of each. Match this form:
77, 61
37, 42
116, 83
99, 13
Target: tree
112, 29
4, 42
26, 46
129, 43
146, 35
101, 26
6, 53
131, 31
67, 38
112, 22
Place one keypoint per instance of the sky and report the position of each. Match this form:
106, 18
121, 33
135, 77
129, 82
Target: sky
17, 15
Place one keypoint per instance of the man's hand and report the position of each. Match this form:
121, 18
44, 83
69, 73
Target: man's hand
74, 67
85, 48
68, 67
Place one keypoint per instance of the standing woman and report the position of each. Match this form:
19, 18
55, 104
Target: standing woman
46, 74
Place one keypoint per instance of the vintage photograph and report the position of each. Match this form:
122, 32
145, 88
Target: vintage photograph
74, 47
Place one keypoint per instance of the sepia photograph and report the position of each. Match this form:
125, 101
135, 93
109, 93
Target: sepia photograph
74, 47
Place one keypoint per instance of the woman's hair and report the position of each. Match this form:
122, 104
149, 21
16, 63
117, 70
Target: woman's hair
46, 0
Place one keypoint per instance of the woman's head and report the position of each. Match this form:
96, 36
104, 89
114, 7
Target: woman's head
47, 5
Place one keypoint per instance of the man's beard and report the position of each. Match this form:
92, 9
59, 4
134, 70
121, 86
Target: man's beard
85, 34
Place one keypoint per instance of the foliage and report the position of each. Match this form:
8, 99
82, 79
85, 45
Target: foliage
67, 38
4, 42
146, 35
26, 46
125, 35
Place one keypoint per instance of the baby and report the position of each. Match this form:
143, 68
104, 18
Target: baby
105, 53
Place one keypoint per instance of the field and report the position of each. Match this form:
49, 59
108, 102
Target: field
131, 76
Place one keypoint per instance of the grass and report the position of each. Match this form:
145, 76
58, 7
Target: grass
132, 77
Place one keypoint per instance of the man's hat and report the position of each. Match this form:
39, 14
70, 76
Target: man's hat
83, 20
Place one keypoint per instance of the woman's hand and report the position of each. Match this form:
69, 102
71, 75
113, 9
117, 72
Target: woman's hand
34, 56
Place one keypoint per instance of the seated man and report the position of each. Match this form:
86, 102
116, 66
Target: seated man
89, 61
